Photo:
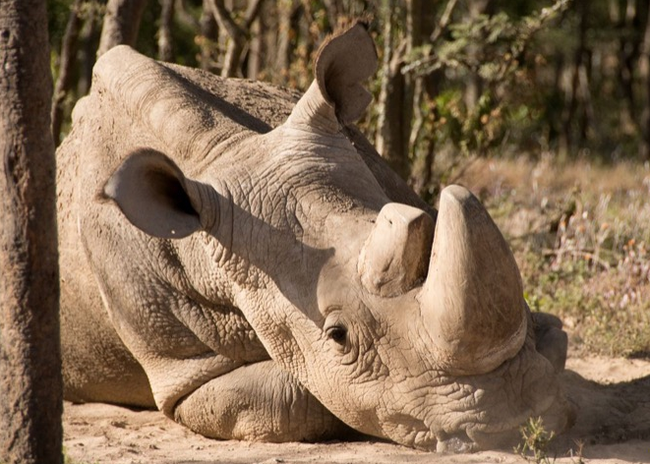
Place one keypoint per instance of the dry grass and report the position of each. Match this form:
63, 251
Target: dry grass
581, 235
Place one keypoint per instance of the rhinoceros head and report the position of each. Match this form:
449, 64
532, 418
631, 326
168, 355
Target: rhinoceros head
405, 326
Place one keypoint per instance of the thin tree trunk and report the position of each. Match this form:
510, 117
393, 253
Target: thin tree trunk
628, 59
165, 42
184, 17
574, 97
88, 44
587, 116
66, 64
254, 62
645, 129
396, 94
238, 35
334, 12
422, 141
30, 364
268, 55
285, 12
209, 37
474, 83
121, 23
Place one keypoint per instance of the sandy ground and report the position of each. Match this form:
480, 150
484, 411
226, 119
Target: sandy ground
100, 433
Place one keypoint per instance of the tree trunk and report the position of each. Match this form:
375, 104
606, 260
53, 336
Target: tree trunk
644, 149
121, 23
425, 89
334, 12
285, 9
165, 41
629, 48
66, 64
254, 62
237, 34
88, 45
474, 82
209, 37
396, 93
582, 8
30, 366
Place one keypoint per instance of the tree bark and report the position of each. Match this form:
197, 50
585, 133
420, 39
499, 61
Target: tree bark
66, 64
425, 89
285, 11
30, 367
165, 41
88, 45
121, 23
209, 37
396, 93
254, 62
644, 149
571, 109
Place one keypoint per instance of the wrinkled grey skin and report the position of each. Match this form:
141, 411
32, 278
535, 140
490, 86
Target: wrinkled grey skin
282, 284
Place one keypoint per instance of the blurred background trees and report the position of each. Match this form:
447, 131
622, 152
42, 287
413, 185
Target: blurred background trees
457, 77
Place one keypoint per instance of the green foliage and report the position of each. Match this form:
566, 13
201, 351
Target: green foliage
535, 442
500, 81
492, 50
489, 45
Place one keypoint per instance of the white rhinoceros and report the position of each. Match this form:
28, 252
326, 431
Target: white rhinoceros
282, 283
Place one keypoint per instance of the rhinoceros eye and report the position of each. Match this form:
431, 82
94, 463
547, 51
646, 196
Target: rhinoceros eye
338, 333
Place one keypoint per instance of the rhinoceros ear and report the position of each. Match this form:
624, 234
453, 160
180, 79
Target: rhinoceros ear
152, 193
337, 95
343, 63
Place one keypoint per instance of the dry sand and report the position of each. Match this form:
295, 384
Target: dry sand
100, 433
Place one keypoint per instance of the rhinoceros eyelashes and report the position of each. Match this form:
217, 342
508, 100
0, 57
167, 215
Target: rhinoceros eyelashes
337, 333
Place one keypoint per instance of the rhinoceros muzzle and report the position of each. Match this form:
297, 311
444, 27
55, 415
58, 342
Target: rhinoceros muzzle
472, 295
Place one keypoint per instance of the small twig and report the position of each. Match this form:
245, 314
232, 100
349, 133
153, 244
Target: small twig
444, 21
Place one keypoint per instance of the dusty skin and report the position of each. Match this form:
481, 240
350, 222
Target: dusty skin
98, 433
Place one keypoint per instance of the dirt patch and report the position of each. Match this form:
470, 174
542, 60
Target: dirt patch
101, 433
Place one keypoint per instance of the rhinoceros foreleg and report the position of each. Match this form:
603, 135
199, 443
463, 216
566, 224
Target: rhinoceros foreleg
550, 340
257, 402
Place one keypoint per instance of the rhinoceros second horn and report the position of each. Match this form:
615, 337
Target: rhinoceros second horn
394, 258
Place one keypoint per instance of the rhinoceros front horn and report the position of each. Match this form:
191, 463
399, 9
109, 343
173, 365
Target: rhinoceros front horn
472, 299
